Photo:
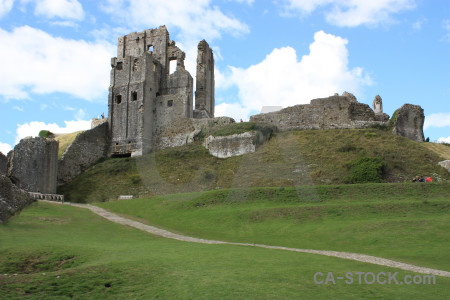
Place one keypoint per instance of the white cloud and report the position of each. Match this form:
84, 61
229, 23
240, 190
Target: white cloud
443, 140
350, 13
446, 26
33, 128
65, 24
5, 148
65, 9
195, 19
249, 2
5, 7
418, 24
40, 63
234, 110
437, 120
18, 108
284, 80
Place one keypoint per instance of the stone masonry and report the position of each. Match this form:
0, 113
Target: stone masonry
33, 165
12, 199
3, 164
145, 96
87, 148
324, 113
204, 95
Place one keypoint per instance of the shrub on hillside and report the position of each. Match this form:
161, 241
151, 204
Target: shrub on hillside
45, 133
366, 169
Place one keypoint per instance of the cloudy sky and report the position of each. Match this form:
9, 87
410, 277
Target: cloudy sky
55, 55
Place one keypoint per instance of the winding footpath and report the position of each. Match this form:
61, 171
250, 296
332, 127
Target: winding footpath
167, 234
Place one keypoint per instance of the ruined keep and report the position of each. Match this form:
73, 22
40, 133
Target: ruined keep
33, 164
145, 96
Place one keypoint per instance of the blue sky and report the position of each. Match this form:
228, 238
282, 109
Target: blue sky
55, 55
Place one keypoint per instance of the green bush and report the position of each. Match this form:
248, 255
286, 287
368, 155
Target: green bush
366, 169
45, 133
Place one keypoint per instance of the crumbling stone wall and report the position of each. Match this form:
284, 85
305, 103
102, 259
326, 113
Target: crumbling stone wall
95, 122
232, 145
3, 164
323, 113
12, 199
33, 165
408, 122
87, 148
237, 144
204, 94
184, 131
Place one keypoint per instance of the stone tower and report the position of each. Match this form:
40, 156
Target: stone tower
144, 95
204, 94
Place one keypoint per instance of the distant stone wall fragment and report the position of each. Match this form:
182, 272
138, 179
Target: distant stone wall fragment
323, 113
95, 122
33, 165
87, 148
232, 145
445, 164
409, 121
236, 144
12, 199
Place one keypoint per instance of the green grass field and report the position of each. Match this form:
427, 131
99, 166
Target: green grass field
52, 251
289, 159
404, 222
290, 192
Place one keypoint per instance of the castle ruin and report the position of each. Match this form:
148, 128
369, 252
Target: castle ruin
145, 95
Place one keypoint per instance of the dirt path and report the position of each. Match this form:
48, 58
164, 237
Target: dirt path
167, 234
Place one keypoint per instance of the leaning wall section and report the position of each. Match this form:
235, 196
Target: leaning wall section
87, 148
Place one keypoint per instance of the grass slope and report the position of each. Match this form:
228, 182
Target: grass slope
288, 159
51, 251
442, 150
64, 141
404, 222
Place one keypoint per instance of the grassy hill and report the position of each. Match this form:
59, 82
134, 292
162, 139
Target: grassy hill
309, 157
